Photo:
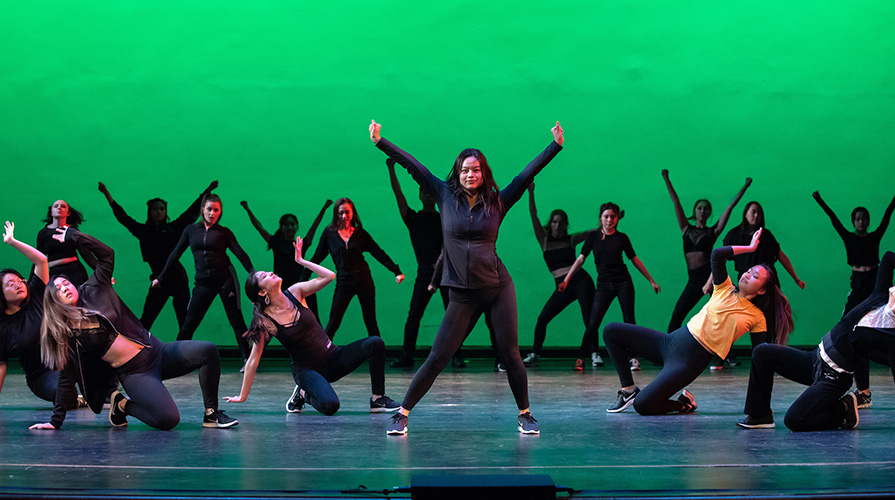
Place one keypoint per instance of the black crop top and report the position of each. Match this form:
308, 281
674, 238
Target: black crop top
98, 340
698, 239
304, 339
559, 253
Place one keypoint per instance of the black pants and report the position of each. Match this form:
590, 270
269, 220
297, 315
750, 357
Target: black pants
605, 293
682, 358
692, 294
316, 383
862, 284
200, 301
818, 408
44, 387
581, 288
500, 304
363, 287
142, 376
419, 300
175, 286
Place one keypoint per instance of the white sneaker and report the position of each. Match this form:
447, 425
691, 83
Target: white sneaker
595, 359
635, 365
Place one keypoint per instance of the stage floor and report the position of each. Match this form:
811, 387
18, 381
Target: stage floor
465, 425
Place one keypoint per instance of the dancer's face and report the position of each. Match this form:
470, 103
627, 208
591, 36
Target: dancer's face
861, 222
471, 177
211, 212
702, 211
752, 281
59, 209
346, 214
753, 214
159, 212
65, 291
15, 290
608, 221
288, 227
268, 281
558, 226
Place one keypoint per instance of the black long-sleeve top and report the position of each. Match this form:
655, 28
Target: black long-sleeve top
348, 258
860, 250
20, 332
209, 246
768, 252
55, 249
470, 233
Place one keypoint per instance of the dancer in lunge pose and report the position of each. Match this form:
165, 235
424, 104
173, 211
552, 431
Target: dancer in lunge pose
62, 256
731, 312
158, 236
472, 209
862, 254
558, 247
280, 243
613, 280
316, 361
868, 330
91, 336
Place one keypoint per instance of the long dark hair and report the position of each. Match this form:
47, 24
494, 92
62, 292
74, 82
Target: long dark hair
336, 222
3, 303
563, 216
149, 205
261, 328
489, 190
55, 329
745, 227
775, 307
279, 232
74, 219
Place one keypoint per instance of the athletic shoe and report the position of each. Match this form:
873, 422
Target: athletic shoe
528, 424
851, 411
595, 359
625, 399
579, 365
751, 422
635, 365
458, 362
863, 399
404, 361
500, 368
532, 360
117, 417
732, 361
219, 419
296, 401
384, 404
688, 401
82, 403
398, 425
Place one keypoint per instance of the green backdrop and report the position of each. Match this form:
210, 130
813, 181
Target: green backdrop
273, 98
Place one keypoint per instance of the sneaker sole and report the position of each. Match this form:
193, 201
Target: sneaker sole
756, 426
397, 432
216, 425
291, 410
622, 408
384, 410
523, 431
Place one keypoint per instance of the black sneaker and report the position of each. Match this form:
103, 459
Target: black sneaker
398, 425
117, 417
532, 360
851, 411
384, 404
528, 424
751, 422
219, 419
296, 401
863, 399
404, 361
458, 362
625, 399
732, 361
688, 401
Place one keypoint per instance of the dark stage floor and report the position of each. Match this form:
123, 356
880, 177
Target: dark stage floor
466, 425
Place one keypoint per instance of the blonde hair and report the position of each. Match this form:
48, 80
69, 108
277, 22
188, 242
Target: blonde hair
55, 329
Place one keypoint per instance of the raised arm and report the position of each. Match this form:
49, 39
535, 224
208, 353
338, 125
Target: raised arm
887, 216
309, 236
121, 216
248, 375
511, 194
721, 255
540, 234
837, 224
682, 221
304, 288
192, 212
86, 244
640, 267
725, 216
41, 269
785, 262
417, 170
255, 222
396, 188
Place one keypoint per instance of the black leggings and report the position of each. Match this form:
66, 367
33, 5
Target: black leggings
862, 284
818, 408
581, 288
366, 294
682, 356
692, 294
203, 296
500, 304
44, 387
605, 293
316, 383
175, 286
419, 300
142, 376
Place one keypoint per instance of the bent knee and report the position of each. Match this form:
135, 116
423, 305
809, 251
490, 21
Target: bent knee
165, 422
328, 408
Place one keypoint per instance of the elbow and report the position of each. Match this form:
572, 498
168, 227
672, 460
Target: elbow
331, 277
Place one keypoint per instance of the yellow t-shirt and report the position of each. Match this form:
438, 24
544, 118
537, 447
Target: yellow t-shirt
724, 319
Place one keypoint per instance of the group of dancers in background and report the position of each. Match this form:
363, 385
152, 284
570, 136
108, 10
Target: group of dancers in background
71, 331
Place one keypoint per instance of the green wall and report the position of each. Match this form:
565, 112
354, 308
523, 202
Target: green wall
273, 99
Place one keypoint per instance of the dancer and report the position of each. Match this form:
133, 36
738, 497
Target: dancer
22, 313
558, 247
62, 257
280, 243
868, 330
862, 254
699, 239
316, 361
158, 236
209, 242
91, 336
472, 209
346, 240
730, 313
613, 280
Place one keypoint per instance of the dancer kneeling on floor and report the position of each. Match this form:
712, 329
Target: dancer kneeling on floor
91, 336
316, 361
756, 306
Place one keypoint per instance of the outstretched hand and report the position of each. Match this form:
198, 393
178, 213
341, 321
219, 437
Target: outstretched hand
656, 287
211, 187
665, 173
8, 237
800, 283
755, 237
816, 195
102, 188
244, 204
562, 286
234, 399
328, 204
399, 278
46, 426
557, 133
374, 131
155, 284
748, 181
298, 245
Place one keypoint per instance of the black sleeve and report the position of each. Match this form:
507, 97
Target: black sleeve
181, 247
240, 254
837, 225
65, 391
126, 220
720, 256
104, 255
884, 274
379, 254
188, 216
511, 194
